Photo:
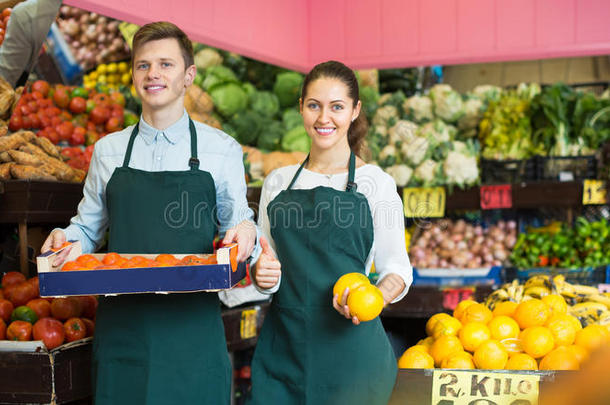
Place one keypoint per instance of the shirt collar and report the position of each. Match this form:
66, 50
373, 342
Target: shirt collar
173, 133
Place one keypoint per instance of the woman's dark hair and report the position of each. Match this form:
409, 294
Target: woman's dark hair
336, 70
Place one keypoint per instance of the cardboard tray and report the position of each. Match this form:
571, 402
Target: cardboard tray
160, 280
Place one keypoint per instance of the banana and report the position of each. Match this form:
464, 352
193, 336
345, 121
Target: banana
604, 319
558, 284
599, 298
495, 297
536, 291
539, 280
584, 289
589, 306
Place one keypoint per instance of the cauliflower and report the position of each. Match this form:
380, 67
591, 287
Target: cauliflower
381, 130
447, 102
416, 150
419, 108
460, 169
384, 114
426, 171
437, 132
487, 92
473, 113
400, 173
387, 156
528, 91
402, 131
207, 57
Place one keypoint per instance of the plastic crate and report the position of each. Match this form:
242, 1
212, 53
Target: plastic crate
586, 276
507, 171
458, 277
566, 168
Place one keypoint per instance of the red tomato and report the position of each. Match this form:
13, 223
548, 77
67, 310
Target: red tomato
118, 98
113, 124
75, 329
78, 105
6, 309
50, 331
41, 86
245, 372
52, 136
35, 121
41, 306
12, 277
89, 305
26, 122
20, 294
77, 138
101, 99
37, 95
99, 114
34, 282
61, 97
19, 330
2, 330
65, 308
90, 325
71, 152
44, 120
7, 12
33, 105
65, 130
15, 123
65, 115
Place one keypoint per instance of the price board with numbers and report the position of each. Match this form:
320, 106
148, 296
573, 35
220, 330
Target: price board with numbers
593, 192
451, 387
424, 202
496, 196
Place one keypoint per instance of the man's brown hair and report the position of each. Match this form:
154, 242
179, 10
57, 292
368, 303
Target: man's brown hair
162, 30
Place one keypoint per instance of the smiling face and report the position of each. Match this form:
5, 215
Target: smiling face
327, 112
159, 75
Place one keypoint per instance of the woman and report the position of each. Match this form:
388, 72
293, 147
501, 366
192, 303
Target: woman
332, 215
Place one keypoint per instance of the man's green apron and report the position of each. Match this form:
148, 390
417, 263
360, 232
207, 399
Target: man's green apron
307, 352
151, 348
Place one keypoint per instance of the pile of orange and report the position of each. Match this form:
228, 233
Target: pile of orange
116, 261
531, 335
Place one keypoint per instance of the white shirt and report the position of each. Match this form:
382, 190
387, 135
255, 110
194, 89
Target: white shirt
388, 251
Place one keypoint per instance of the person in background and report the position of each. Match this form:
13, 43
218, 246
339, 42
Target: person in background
26, 31
166, 185
330, 216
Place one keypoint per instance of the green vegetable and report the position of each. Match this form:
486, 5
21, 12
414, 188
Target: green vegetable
296, 140
247, 126
287, 87
291, 118
271, 136
216, 76
369, 97
24, 313
265, 103
229, 99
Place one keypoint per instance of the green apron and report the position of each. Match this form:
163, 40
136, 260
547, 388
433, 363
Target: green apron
308, 353
151, 348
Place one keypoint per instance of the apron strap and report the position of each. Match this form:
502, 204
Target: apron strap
132, 138
351, 185
193, 161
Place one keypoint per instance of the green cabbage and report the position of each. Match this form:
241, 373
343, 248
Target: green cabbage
291, 118
296, 140
229, 99
216, 76
271, 136
287, 87
247, 126
265, 103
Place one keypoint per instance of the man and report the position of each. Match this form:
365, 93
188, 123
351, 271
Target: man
166, 185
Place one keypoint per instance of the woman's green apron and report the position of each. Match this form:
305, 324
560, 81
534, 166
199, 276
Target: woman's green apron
152, 348
307, 352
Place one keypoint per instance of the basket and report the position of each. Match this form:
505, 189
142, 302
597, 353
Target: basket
585, 275
566, 168
507, 171
457, 277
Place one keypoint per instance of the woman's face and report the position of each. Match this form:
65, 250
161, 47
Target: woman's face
327, 112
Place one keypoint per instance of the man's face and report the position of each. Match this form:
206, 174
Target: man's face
159, 74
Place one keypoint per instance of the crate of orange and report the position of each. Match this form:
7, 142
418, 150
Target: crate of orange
113, 273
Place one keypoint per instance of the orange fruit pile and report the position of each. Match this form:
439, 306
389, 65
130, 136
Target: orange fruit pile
532, 335
116, 261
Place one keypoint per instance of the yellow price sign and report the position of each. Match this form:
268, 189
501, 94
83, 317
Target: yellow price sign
128, 31
424, 202
594, 192
474, 388
247, 325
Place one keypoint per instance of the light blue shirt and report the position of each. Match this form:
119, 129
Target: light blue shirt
153, 151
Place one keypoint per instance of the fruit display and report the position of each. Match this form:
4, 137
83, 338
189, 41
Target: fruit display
92, 38
586, 244
458, 244
4, 17
24, 316
544, 324
25, 156
364, 301
113, 261
111, 74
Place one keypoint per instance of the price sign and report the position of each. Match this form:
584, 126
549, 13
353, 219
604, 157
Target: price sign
428, 202
494, 197
451, 387
453, 296
247, 325
603, 288
594, 192
128, 31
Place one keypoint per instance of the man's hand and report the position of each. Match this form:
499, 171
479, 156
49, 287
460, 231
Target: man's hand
244, 234
54, 241
268, 268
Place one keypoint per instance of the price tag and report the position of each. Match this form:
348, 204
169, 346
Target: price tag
128, 31
247, 325
594, 192
498, 196
428, 202
603, 288
453, 296
473, 387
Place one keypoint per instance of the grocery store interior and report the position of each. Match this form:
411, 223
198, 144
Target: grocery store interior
492, 118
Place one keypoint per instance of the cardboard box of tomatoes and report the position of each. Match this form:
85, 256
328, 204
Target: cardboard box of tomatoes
113, 274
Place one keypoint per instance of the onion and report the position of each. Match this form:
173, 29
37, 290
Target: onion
102, 21
71, 27
496, 263
456, 237
101, 38
84, 20
112, 27
511, 224
510, 241
118, 42
421, 242
472, 264
443, 263
478, 230
65, 10
488, 257
93, 17
461, 245
499, 254
501, 224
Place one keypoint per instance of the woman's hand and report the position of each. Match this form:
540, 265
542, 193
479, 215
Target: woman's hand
340, 304
268, 267
244, 234
54, 241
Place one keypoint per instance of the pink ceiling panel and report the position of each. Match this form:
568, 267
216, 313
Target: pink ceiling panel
437, 26
593, 21
399, 27
515, 21
363, 28
327, 31
555, 22
476, 25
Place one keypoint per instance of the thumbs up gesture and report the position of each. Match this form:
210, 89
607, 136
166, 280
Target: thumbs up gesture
268, 268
